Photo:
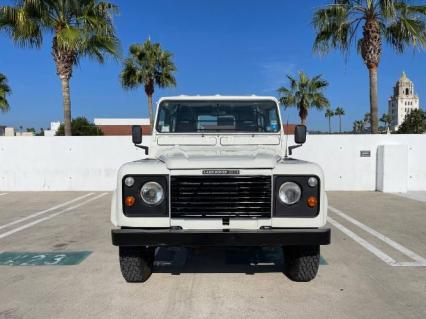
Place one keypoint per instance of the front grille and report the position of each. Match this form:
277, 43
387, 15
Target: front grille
220, 196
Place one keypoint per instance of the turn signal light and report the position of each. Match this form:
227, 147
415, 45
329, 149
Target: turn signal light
129, 201
312, 201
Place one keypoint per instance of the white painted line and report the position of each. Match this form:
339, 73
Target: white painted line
409, 264
373, 249
50, 216
407, 252
44, 211
2, 194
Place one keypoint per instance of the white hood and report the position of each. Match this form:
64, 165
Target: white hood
180, 158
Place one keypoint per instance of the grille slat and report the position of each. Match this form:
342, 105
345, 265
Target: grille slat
221, 196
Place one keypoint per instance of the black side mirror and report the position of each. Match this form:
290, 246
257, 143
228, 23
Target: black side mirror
137, 138
299, 138
136, 134
300, 134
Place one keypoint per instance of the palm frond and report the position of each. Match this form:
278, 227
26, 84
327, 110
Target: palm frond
329, 113
20, 27
148, 64
387, 8
304, 93
4, 92
339, 111
83, 28
334, 27
407, 28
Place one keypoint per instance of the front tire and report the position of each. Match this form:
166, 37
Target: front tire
136, 263
301, 263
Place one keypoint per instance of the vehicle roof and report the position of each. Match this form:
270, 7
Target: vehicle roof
218, 98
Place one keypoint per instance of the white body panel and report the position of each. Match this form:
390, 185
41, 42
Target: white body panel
190, 154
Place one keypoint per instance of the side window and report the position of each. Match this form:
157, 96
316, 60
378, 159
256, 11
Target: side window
160, 122
273, 121
163, 125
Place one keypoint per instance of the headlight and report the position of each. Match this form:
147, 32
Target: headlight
152, 193
290, 193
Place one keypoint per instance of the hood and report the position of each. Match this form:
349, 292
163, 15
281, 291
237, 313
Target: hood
179, 158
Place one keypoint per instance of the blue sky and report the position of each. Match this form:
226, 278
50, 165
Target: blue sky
220, 47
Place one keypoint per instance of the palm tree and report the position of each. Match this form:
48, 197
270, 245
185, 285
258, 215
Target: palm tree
386, 119
339, 112
4, 92
304, 93
148, 65
80, 28
358, 127
395, 21
329, 113
367, 120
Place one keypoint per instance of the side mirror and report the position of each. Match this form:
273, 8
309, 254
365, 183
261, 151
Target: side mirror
300, 134
137, 138
136, 134
299, 138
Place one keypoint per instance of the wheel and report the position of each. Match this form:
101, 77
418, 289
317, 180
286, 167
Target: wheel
136, 263
301, 263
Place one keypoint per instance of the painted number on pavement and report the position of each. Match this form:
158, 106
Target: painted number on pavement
42, 259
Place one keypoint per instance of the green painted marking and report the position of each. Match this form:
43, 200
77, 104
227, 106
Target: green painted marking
56, 258
323, 261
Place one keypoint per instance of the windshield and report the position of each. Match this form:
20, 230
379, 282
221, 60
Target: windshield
217, 116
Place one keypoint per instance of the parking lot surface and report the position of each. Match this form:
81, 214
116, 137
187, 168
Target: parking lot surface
374, 268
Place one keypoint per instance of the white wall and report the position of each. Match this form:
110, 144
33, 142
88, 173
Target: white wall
339, 156
90, 163
63, 163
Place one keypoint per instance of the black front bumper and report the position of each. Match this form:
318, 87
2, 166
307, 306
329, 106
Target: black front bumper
261, 237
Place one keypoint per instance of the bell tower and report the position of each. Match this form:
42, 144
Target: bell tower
403, 101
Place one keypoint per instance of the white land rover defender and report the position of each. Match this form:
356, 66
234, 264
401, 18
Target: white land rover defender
217, 174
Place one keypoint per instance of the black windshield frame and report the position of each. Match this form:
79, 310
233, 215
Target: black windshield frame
218, 116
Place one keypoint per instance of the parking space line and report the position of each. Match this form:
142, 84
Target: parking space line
407, 252
373, 249
2, 194
45, 211
37, 221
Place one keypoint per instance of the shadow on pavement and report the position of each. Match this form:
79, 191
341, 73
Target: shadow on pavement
249, 260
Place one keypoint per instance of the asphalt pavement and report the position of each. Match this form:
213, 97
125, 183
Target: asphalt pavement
57, 261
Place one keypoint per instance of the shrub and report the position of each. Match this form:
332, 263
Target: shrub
80, 126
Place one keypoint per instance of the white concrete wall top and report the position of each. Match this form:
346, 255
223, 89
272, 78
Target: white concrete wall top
90, 163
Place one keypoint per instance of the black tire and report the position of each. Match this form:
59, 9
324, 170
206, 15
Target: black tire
136, 263
301, 263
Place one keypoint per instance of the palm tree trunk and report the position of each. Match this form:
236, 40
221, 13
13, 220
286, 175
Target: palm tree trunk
303, 114
151, 120
149, 91
64, 61
371, 50
373, 99
67, 105
329, 125
340, 124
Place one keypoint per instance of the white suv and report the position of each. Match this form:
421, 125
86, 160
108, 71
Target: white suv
217, 174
